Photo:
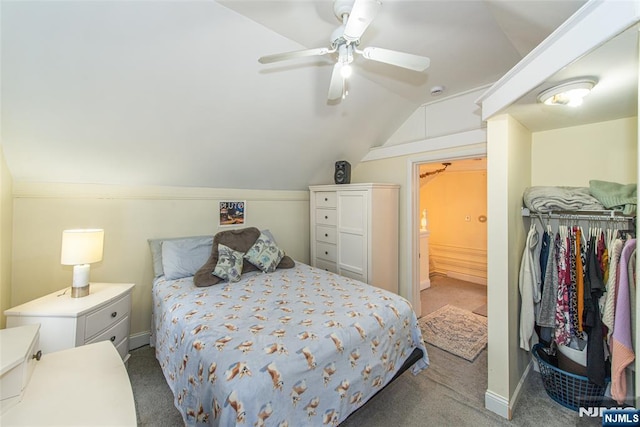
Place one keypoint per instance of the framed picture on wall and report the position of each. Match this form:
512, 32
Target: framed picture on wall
232, 213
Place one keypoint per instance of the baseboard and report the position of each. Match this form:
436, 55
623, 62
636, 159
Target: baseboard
516, 394
497, 404
502, 406
139, 340
467, 278
425, 284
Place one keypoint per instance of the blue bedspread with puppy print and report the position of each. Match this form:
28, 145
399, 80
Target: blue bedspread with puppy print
296, 347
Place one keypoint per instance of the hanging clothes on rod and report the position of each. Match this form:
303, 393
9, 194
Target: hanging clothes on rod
571, 280
529, 288
621, 342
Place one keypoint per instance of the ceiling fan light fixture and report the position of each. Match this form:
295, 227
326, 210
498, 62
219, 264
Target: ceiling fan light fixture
346, 71
570, 93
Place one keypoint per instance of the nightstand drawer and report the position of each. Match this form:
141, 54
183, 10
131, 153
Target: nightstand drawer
107, 316
115, 334
123, 349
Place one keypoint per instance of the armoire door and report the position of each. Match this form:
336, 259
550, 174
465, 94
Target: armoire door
352, 234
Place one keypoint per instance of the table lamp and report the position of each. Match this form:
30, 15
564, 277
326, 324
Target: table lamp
81, 248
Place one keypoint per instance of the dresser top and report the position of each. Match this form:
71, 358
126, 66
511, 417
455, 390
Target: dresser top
14, 345
353, 186
81, 386
60, 303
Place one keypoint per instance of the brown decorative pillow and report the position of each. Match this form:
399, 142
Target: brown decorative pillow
239, 240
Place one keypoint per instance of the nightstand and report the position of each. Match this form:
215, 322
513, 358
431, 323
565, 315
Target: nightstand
67, 322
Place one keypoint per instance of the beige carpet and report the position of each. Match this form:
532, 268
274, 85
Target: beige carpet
455, 330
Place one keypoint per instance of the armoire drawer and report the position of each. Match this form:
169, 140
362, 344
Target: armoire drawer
107, 316
326, 251
326, 234
326, 199
353, 275
327, 265
326, 216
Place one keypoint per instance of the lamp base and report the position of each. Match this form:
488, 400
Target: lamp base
79, 292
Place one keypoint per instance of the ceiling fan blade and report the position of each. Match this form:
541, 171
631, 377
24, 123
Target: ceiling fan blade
399, 59
362, 14
295, 54
336, 86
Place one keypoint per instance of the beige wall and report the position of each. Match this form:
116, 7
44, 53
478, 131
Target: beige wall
508, 174
457, 246
129, 217
6, 217
572, 156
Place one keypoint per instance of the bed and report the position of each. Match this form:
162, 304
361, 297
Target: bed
296, 346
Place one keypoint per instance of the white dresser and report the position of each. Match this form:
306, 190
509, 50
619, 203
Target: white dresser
104, 314
354, 231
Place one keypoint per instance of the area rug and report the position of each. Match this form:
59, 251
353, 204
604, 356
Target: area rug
456, 331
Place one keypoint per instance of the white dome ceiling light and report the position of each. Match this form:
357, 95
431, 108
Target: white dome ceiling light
570, 93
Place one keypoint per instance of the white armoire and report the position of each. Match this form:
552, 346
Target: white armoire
354, 231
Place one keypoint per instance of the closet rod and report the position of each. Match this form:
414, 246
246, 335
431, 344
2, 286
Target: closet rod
605, 215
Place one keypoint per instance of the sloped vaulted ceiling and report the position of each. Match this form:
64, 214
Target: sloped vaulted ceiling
171, 92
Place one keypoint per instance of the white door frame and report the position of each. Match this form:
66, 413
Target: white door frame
413, 218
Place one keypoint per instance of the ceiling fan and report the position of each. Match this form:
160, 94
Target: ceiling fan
356, 16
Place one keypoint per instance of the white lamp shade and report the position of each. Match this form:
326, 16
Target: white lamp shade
81, 246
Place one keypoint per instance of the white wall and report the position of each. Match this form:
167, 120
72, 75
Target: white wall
446, 116
130, 216
6, 218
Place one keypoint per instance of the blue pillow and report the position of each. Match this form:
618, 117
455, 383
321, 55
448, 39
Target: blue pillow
183, 257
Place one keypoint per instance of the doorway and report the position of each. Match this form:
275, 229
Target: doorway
452, 256
410, 237
450, 210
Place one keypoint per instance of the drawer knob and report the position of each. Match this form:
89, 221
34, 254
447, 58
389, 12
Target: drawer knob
326, 252
113, 338
326, 199
326, 217
326, 234
114, 314
38, 355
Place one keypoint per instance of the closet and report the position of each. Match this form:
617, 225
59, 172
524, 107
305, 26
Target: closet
530, 144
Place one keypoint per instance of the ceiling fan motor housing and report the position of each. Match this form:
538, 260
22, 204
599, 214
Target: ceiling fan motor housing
340, 7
